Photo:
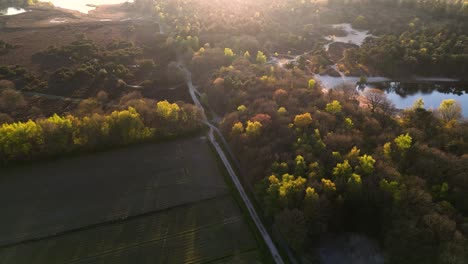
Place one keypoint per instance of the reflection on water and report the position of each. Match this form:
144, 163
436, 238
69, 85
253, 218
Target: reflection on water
403, 94
331, 82
11, 11
81, 5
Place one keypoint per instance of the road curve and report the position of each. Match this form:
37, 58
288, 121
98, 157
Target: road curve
266, 237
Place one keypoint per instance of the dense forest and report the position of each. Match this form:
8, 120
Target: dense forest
325, 163
424, 38
338, 161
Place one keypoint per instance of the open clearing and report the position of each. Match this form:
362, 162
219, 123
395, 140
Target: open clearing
156, 203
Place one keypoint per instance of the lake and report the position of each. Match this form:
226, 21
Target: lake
11, 11
81, 5
353, 36
402, 93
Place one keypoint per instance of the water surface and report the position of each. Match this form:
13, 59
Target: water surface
11, 11
81, 5
404, 94
353, 36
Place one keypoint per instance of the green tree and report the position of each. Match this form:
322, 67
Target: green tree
328, 185
334, 107
418, 104
366, 164
282, 110
342, 169
403, 142
311, 84
167, 110
241, 108
261, 58
354, 182
20, 140
450, 110
349, 122
229, 53
127, 127
280, 168
301, 166
58, 133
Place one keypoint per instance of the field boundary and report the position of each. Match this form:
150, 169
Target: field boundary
114, 250
110, 222
102, 149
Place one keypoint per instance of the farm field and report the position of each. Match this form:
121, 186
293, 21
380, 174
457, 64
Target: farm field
191, 233
157, 203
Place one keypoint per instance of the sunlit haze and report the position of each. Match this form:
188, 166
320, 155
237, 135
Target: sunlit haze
234, 131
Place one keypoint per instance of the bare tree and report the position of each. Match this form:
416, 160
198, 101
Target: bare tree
376, 100
349, 91
11, 100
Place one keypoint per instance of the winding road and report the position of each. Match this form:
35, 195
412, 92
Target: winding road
211, 135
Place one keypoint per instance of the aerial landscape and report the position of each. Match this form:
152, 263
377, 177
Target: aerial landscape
234, 131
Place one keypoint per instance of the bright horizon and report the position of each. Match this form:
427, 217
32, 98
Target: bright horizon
81, 5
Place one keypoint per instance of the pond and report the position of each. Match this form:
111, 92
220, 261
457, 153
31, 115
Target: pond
11, 11
83, 6
352, 35
402, 93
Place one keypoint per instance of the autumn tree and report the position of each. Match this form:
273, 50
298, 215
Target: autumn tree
334, 107
229, 53
57, 133
253, 129
237, 128
449, 110
366, 164
311, 84
20, 140
261, 58
403, 142
303, 120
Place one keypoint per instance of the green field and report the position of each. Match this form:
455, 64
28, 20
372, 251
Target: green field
165, 203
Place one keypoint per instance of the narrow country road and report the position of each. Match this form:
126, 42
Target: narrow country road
266, 237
